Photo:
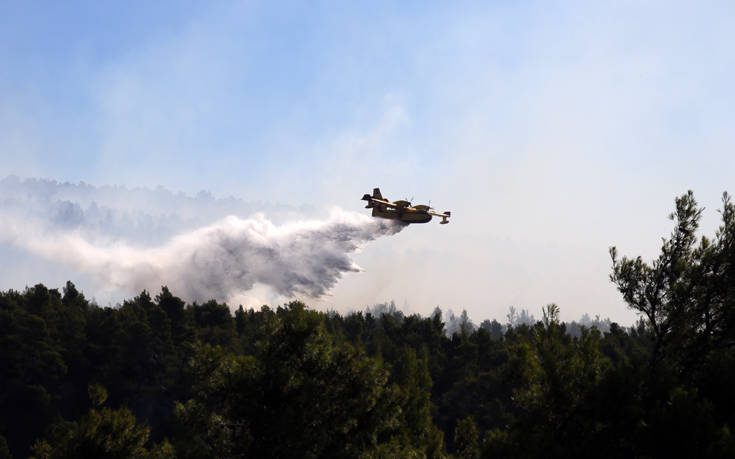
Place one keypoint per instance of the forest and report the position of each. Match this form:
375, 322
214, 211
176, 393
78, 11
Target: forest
159, 377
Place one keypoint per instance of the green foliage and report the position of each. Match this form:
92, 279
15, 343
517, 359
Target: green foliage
413, 387
100, 434
301, 392
554, 377
4, 450
97, 394
466, 439
687, 295
688, 292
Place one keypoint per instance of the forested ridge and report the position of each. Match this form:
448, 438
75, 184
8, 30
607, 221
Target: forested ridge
156, 377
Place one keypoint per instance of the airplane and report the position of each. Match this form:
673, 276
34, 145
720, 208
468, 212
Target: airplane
401, 210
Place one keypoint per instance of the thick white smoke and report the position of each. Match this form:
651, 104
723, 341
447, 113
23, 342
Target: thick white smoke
221, 261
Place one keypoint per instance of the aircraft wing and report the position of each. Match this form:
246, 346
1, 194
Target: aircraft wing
443, 215
383, 202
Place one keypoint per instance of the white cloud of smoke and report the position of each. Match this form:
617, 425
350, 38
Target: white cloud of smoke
223, 260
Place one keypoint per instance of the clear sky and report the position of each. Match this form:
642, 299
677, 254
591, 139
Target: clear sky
551, 130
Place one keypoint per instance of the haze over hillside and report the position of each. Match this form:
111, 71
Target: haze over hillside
551, 131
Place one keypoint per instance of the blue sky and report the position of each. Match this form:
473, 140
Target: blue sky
552, 130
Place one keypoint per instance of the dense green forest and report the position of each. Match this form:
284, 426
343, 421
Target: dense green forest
156, 377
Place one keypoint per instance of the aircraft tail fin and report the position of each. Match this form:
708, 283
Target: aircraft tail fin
368, 198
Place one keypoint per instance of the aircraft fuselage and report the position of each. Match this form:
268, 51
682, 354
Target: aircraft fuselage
407, 216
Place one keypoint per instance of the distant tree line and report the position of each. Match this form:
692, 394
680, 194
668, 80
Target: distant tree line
156, 377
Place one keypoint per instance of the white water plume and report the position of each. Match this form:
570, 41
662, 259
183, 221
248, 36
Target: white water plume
223, 260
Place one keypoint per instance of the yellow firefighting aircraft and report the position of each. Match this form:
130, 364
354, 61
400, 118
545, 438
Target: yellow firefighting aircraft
401, 210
